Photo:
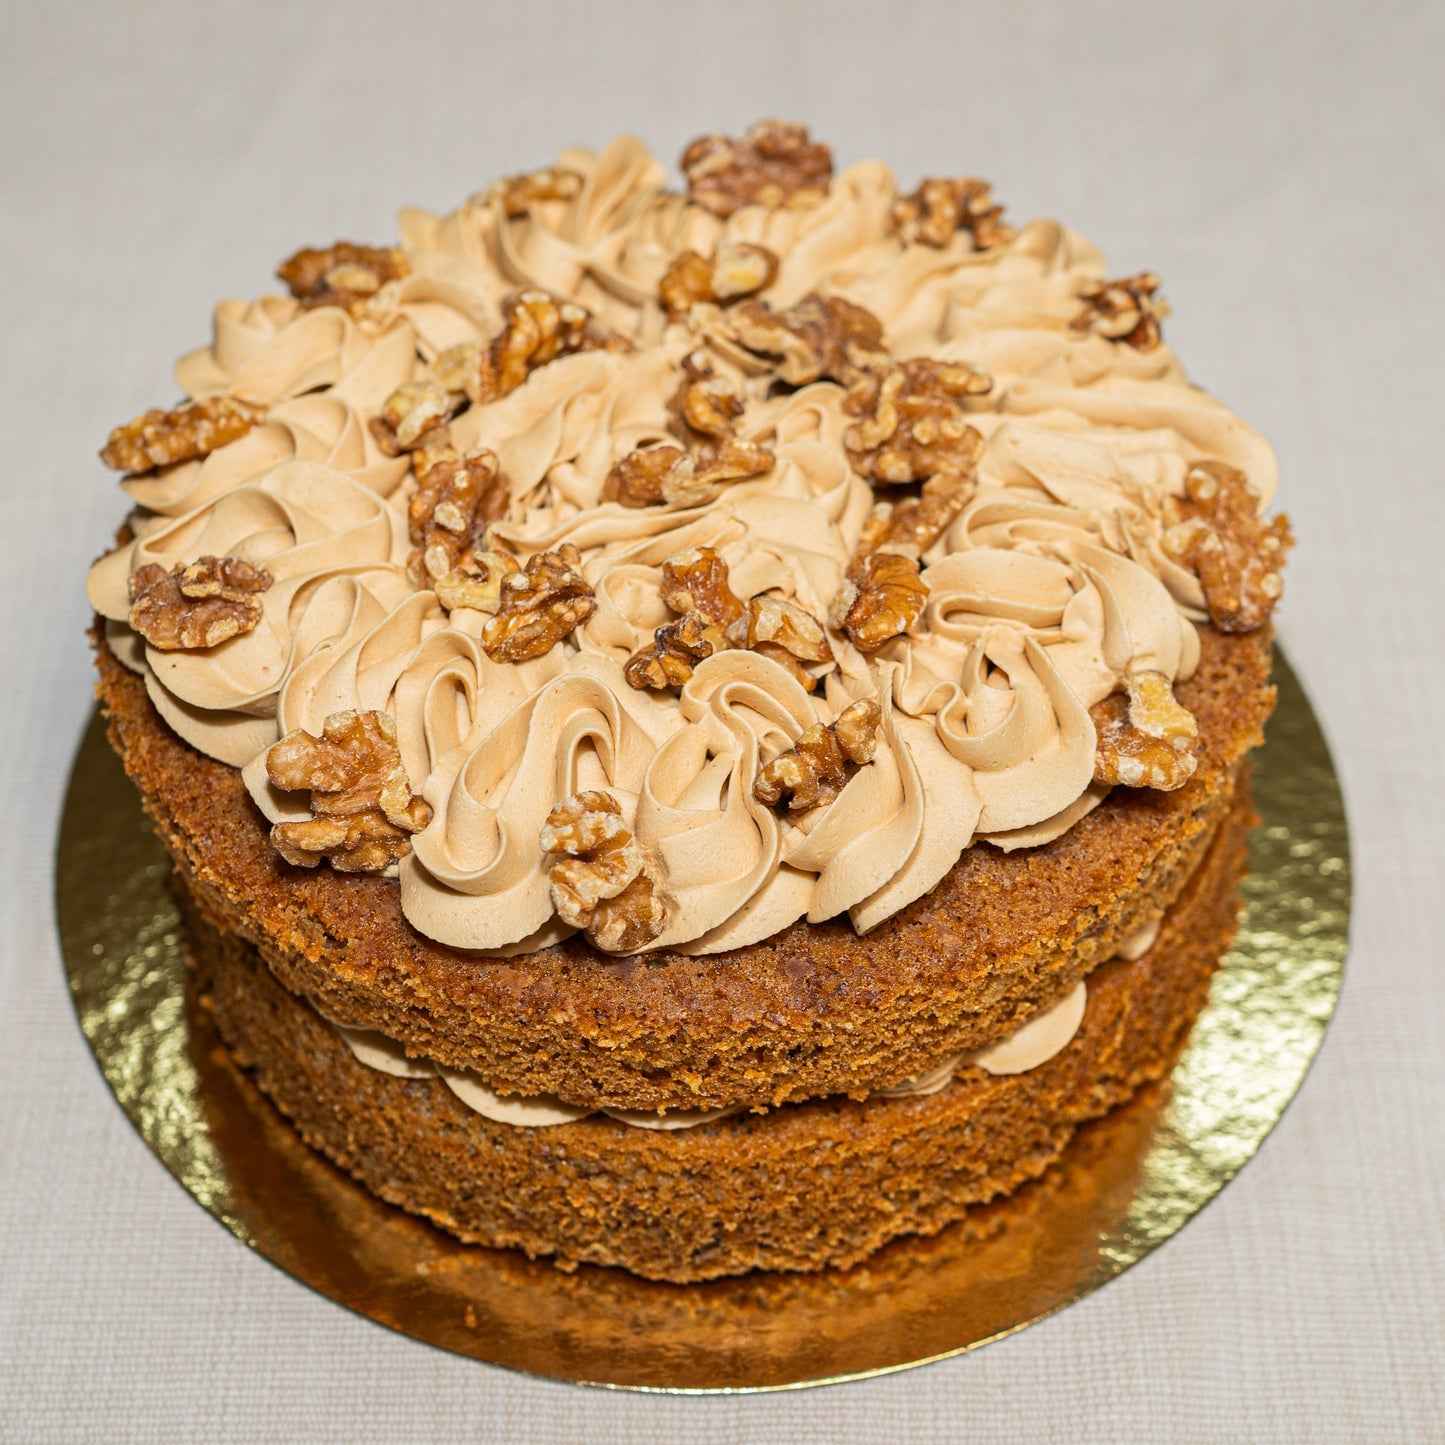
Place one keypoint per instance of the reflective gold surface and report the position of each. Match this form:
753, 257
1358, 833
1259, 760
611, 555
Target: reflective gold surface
1126, 1184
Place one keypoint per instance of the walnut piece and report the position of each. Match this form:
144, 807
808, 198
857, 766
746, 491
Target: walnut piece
774, 164
455, 502
414, 415
157, 438
197, 605
1147, 739
1215, 530
784, 632
697, 581
940, 207
737, 269
602, 880
677, 648
343, 275
703, 411
1126, 310
916, 523
814, 771
913, 422
363, 809
518, 194
539, 606
822, 337
537, 327
475, 582
882, 596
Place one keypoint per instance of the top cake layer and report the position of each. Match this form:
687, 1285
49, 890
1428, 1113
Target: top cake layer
689, 563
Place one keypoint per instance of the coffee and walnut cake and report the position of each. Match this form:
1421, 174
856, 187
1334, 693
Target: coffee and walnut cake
698, 729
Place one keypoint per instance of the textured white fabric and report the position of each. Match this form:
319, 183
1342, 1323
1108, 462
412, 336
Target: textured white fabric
1279, 165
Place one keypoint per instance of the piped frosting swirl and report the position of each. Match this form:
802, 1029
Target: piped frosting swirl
1046, 592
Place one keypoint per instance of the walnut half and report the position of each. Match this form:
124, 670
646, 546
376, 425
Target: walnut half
737, 269
363, 809
344, 274
774, 164
1147, 739
940, 207
1126, 310
820, 338
197, 604
913, 424
1215, 530
602, 880
195, 429
812, 773
882, 596
538, 606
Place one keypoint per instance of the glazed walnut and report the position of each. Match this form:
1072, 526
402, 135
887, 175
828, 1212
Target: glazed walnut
195, 429
697, 581
415, 415
198, 605
774, 164
821, 338
916, 523
1215, 530
602, 880
677, 648
882, 596
814, 771
1147, 739
913, 424
539, 606
941, 207
737, 269
518, 194
1126, 310
649, 476
784, 632
455, 502
343, 275
536, 328
475, 582
363, 809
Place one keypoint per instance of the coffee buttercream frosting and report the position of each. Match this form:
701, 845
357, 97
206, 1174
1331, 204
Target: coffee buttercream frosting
1049, 589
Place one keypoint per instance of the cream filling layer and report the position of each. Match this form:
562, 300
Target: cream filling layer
1047, 591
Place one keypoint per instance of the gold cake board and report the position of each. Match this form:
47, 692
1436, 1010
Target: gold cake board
1126, 1184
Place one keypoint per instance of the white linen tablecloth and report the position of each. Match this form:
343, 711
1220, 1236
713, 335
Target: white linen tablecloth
1279, 165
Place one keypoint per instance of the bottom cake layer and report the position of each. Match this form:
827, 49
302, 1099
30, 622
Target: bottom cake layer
803, 1187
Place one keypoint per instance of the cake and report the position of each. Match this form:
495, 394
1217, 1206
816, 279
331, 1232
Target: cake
698, 729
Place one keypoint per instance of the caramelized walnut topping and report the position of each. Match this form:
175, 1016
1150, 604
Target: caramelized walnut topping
1215, 530
536, 328
737, 269
814, 771
1126, 310
197, 605
697, 581
913, 422
677, 648
882, 597
940, 207
1147, 740
822, 337
518, 194
342, 275
157, 438
455, 502
363, 809
915, 524
774, 164
602, 880
539, 606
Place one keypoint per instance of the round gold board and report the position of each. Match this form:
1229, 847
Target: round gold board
1124, 1186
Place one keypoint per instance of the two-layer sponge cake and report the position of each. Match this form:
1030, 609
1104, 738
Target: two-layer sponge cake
699, 730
